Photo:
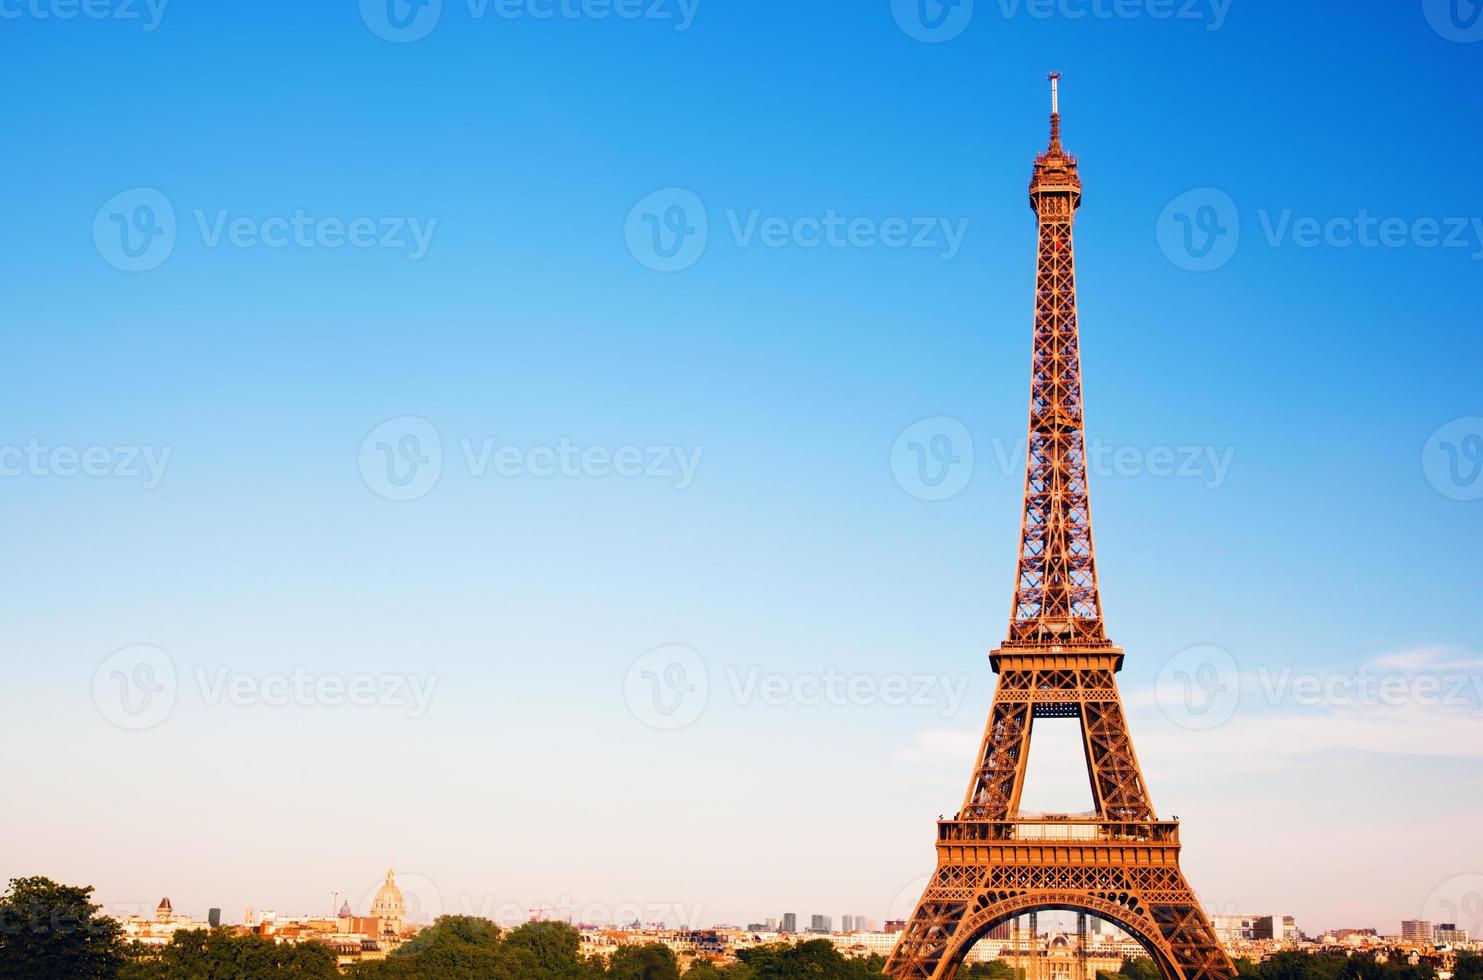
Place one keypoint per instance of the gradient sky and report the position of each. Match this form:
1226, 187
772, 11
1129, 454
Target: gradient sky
1336, 544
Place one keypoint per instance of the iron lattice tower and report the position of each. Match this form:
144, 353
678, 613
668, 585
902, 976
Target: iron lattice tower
1120, 862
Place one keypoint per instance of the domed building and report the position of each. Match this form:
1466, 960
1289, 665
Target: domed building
390, 909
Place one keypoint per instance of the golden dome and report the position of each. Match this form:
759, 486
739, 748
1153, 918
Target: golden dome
388, 902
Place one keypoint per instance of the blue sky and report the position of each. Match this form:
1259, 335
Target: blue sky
1289, 415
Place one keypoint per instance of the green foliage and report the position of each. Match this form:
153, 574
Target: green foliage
704, 970
1469, 967
815, 958
49, 930
1333, 966
219, 954
992, 970
458, 947
544, 951
461, 947
652, 962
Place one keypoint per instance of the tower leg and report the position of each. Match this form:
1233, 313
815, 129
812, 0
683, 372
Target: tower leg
1034, 946
1081, 947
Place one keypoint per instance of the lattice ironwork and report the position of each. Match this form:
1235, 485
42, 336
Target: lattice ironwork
1119, 863
1056, 601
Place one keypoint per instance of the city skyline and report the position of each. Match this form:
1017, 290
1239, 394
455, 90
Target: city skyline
547, 558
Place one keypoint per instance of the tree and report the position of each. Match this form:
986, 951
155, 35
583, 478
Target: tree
49, 930
1293, 965
455, 947
543, 951
706, 970
219, 954
649, 962
816, 958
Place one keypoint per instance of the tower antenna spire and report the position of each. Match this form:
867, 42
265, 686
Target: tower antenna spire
1055, 110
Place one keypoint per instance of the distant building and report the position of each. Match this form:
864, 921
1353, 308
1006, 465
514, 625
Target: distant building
1235, 928
1279, 928
790, 921
1416, 930
894, 925
159, 929
771, 925
821, 924
1447, 933
847, 923
389, 908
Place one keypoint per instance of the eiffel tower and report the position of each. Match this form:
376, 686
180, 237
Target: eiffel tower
1120, 863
